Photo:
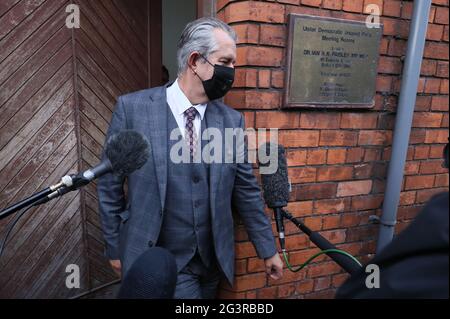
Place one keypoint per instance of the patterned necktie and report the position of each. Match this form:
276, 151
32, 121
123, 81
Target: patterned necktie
190, 132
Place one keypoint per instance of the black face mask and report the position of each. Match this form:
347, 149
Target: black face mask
220, 83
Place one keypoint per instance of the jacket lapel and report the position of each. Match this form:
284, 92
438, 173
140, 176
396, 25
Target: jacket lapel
157, 130
214, 119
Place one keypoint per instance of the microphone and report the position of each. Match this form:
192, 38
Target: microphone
276, 195
152, 276
276, 186
125, 152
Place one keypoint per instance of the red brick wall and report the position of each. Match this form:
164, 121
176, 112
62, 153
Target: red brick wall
337, 159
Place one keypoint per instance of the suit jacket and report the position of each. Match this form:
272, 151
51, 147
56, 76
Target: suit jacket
415, 264
131, 225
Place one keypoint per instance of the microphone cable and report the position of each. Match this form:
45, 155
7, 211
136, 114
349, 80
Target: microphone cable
10, 227
322, 252
338, 251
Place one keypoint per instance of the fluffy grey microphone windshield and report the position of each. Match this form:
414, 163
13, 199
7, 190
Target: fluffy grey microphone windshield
276, 185
127, 151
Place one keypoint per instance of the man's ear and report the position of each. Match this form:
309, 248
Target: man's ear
193, 61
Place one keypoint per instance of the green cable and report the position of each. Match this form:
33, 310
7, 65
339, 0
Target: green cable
317, 255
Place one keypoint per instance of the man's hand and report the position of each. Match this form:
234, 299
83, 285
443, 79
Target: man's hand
274, 267
116, 266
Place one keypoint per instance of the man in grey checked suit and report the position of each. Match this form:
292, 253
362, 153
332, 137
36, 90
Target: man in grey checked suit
186, 207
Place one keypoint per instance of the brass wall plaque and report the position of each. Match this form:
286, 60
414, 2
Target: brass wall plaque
331, 63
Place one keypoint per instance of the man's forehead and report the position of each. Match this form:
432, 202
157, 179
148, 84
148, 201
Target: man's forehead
223, 36
226, 54
226, 47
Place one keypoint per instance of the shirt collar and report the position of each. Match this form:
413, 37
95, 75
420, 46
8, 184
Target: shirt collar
182, 103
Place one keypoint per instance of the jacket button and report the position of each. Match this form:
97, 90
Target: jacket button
150, 244
161, 212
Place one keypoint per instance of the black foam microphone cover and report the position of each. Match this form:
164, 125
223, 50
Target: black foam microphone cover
276, 185
127, 151
152, 276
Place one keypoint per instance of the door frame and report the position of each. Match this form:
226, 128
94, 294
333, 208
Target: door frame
154, 44
205, 8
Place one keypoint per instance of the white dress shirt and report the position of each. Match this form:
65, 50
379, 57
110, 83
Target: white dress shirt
179, 103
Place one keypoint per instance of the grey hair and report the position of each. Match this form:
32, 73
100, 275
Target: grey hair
198, 36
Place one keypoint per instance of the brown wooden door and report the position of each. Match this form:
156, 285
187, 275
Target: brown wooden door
58, 88
118, 51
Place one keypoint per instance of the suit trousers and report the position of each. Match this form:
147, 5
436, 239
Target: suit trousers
196, 281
